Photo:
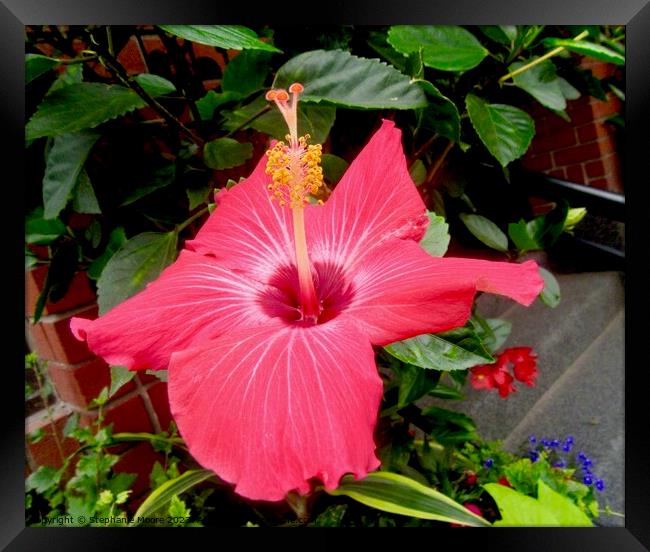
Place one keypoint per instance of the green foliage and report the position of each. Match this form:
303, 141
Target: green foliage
596, 51
436, 239
36, 65
139, 261
120, 376
486, 231
225, 153
506, 131
333, 167
444, 47
233, 37
551, 293
246, 72
342, 79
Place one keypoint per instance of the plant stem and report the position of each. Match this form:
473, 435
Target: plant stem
116, 67
77, 60
424, 147
50, 415
190, 220
539, 60
436, 166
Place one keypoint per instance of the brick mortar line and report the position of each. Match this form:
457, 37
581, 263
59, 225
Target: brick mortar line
559, 383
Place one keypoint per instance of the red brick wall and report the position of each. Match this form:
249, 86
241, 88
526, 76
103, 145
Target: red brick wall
584, 149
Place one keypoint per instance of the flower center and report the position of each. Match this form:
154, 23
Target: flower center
282, 298
296, 173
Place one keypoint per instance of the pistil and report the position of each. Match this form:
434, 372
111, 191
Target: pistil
295, 174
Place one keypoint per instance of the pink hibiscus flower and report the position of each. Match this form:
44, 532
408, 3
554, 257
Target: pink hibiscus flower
268, 318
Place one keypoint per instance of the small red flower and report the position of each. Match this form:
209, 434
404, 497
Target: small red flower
504, 481
497, 376
471, 479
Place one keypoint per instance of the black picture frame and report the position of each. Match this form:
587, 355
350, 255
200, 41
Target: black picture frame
635, 14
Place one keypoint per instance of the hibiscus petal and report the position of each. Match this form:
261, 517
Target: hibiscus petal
375, 200
270, 408
247, 230
194, 299
401, 291
398, 294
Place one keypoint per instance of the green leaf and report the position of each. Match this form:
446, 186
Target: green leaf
499, 332
160, 374
177, 508
154, 85
36, 436
62, 269
448, 427
233, 37
138, 262
80, 106
198, 196
331, 517
436, 239
333, 167
441, 115
43, 479
40, 231
541, 82
341, 79
120, 376
64, 162
418, 172
550, 509
100, 400
569, 91
71, 425
37, 65
71, 74
246, 72
415, 382
85, 200
453, 350
503, 34
315, 120
209, 103
116, 240
161, 178
485, 231
506, 131
521, 235
225, 153
596, 51
445, 47
397, 494
550, 295
162, 496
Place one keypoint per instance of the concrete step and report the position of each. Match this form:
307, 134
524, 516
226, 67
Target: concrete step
580, 387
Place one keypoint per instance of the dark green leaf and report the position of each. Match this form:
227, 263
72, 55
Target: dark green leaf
569, 91
120, 376
541, 82
379, 44
208, 104
154, 85
85, 200
36, 436
503, 34
499, 332
225, 153
333, 167
550, 295
596, 51
486, 231
436, 239
521, 236
445, 392
391, 492
441, 116
448, 427
116, 240
233, 37
62, 269
315, 120
63, 165
415, 382
161, 497
246, 72
71, 425
79, 106
40, 231
341, 79
37, 65
197, 196
71, 74
445, 47
331, 517
454, 350
138, 262
548, 228
506, 131
161, 178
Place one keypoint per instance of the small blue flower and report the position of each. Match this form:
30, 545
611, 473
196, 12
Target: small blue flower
560, 464
554, 443
488, 463
582, 456
569, 440
532, 439
534, 455
546, 442
600, 485
567, 446
587, 479
587, 462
